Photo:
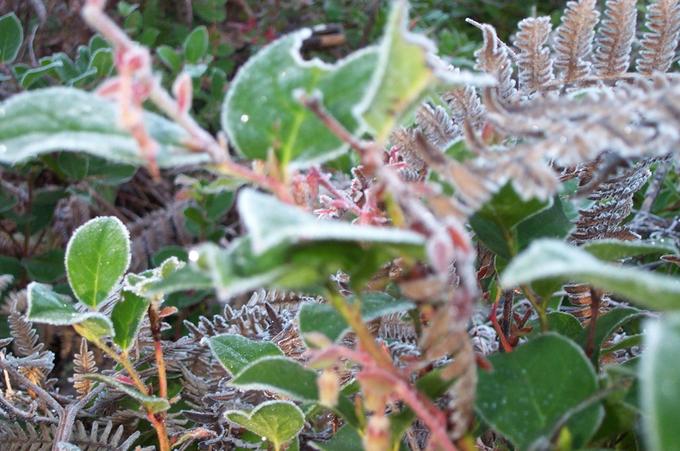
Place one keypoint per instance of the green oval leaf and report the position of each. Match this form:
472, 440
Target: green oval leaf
127, 318
196, 44
54, 119
277, 421
279, 374
532, 388
97, 256
549, 258
48, 307
612, 250
11, 37
235, 352
659, 389
261, 113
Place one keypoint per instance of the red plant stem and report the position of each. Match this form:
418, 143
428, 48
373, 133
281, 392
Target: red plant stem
94, 15
155, 324
507, 347
596, 300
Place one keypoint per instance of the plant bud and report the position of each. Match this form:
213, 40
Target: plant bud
377, 437
183, 91
329, 388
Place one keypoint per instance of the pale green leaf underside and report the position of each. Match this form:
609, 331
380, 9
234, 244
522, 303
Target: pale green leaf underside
271, 223
56, 119
277, 421
659, 390
555, 259
261, 112
48, 307
97, 256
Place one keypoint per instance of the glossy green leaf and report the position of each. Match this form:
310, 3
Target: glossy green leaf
55, 119
550, 222
127, 318
235, 352
612, 250
494, 223
11, 37
48, 307
323, 318
407, 67
196, 44
659, 389
154, 403
281, 375
271, 223
33, 75
277, 421
169, 57
562, 323
532, 388
261, 112
97, 256
555, 259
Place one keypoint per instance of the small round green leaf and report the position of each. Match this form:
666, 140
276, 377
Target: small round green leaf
11, 36
127, 317
277, 421
97, 256
196, 44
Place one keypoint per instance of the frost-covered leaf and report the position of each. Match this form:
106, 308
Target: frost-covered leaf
97, 256
261, 112
323, 318
154, 403
127, 318
271, 223
277, 421
659, 388
279, 374
56, 119
611, 249
407, 67
141, 283
530, 389
48, 307
555, 259
344, 439
11, 37
235, 352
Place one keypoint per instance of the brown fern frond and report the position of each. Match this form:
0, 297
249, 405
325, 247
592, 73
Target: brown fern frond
434, 122
615, 38
573, 41
494, 59
155, 230
657, 47
26, 339
465, 105
83, 363
534, 62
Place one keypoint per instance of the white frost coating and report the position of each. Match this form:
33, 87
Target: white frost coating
252, 413
75, 317
438, 66
258, 211
94, 222
299, 37
258, 386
